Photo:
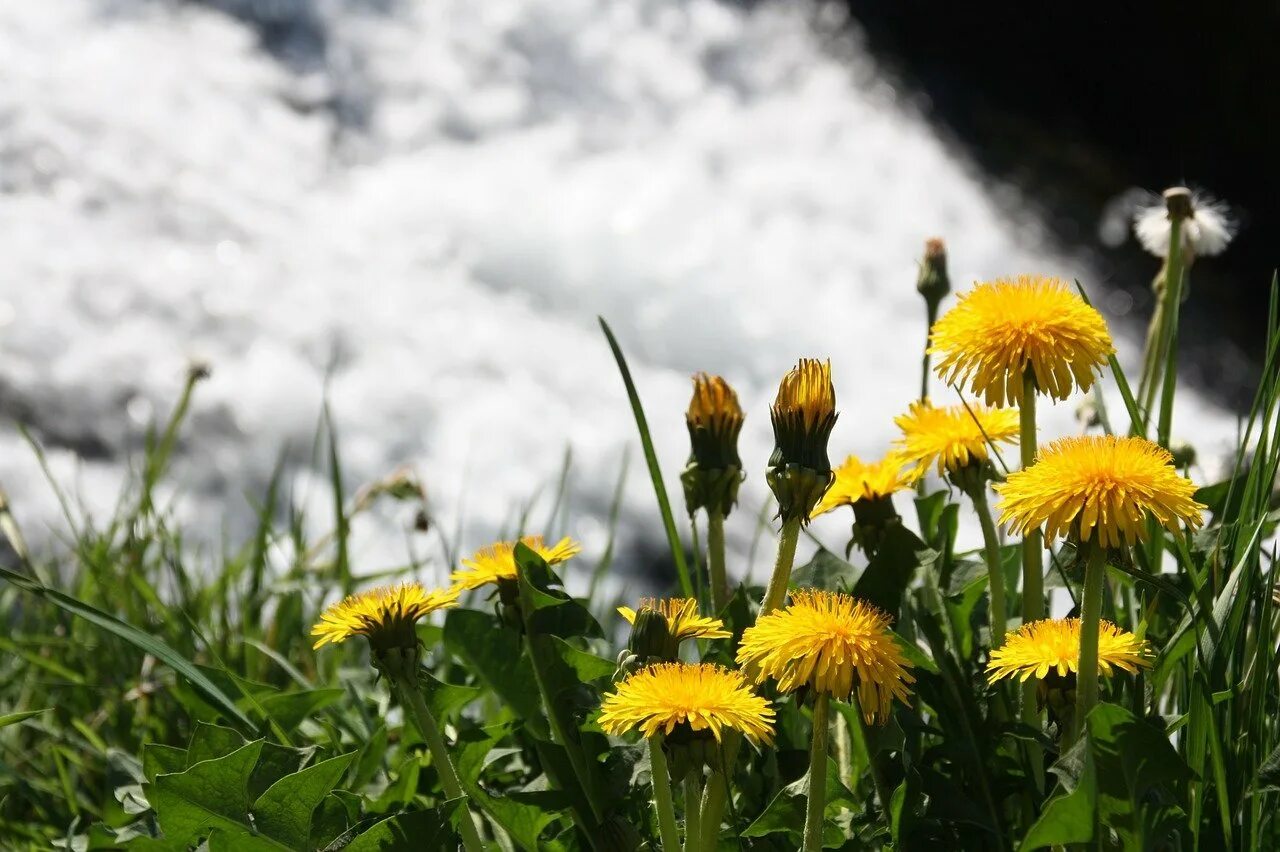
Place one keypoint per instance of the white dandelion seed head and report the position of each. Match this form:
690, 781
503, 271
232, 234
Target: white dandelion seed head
1207, 232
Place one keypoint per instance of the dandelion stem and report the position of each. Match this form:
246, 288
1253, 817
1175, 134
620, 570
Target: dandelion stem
693, 810
817, 775
715, 560
411, 699
1090, 614
777, 592
1032, 574
713, 799
662, 802
995, 570
1169, 336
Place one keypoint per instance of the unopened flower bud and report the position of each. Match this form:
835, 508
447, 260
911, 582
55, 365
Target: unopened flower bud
803, 416
714, 471
933, 282
651, 638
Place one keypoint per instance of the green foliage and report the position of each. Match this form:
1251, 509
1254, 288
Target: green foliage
157, 696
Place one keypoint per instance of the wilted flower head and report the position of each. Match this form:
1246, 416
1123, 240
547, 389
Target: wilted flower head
1207, 224
1000, 329
497, 562
1100, 488
833, 643
857, 480
952, 438
385, 615
1053, 645
803, 416
698, 697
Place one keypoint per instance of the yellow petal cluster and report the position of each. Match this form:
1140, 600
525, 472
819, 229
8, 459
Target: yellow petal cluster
683, 619
833, 643
1100, 488
858, 480
1040, 647
1001, 328
702, 696
384, 609
497, 561
950, 438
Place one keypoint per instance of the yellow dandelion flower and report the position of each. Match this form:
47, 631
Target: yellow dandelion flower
832, 642
1053, 645
496, 562
1000, 328
387, 612
701, 696
1100, 485
858, 480
683, 619
951, 438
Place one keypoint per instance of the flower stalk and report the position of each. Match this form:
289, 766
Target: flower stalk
1032, 569
406, 685
692, 811
716, 561
1090, 616
776, 593
714, 797
662, 801
995, 570
817, 775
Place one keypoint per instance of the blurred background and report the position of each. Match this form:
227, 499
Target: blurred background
416, 209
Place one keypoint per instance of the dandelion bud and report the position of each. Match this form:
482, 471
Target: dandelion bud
651, 637
661, 625
714, 471
933, 282
803, 416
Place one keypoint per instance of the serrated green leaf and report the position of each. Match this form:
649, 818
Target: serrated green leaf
209, 741
589, 667
284, 811
290, 708
430, 829
446, 700
210, 794
824, 571
157, 759
494, 653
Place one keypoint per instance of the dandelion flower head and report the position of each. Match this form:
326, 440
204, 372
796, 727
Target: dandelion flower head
384, 612
703, 696
1000, 329
1053, 645
833, 643
497, 561
1099, 488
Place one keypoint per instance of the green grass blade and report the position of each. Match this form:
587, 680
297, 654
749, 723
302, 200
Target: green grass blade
651, 459
1136, 420
142, 641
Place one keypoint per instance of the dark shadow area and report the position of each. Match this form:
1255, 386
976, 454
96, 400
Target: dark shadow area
1076, 104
